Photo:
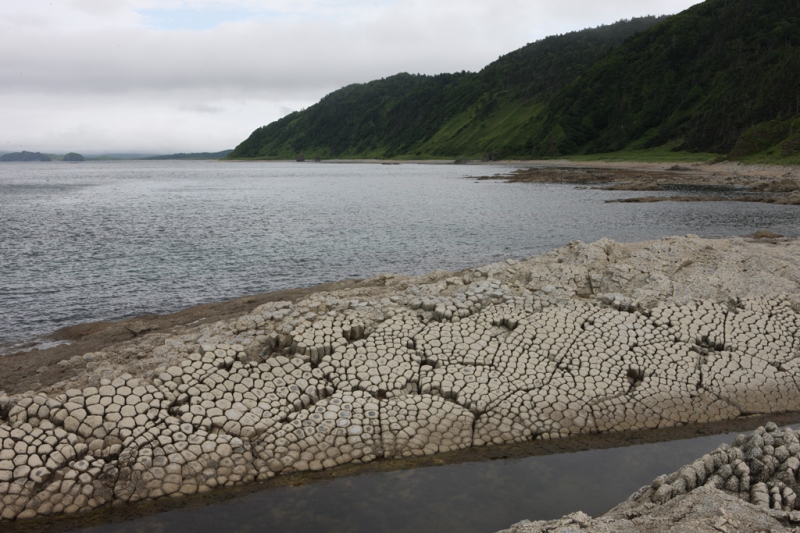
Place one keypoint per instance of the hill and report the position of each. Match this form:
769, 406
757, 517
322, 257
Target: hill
193, 155
73, 157
118, 157
721, 77
25, 156
700, 79
439, 115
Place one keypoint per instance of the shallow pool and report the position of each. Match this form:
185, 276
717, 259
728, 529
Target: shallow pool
481, 497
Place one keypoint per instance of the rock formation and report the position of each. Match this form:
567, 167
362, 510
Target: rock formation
750, 486
586, 339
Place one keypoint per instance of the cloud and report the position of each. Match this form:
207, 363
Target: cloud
210, 71
201, 108
197, 19
102, 8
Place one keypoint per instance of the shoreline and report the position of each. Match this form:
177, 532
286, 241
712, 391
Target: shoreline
759, 183
118, 514
392, 368
18, 369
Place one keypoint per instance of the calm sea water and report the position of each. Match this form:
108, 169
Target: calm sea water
107, 240
468, 498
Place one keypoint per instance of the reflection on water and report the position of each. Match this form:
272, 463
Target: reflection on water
474, 497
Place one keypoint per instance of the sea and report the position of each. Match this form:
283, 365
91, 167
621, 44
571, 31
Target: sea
83, 242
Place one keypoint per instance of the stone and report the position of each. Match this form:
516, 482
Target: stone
71, 424
500, 354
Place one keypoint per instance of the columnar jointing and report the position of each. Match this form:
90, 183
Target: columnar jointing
417, 367
708, 495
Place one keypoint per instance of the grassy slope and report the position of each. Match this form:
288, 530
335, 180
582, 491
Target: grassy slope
439, 116
722, 77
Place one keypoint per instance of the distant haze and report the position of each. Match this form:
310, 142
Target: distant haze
96, 76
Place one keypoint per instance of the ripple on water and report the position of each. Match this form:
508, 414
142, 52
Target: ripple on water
107, 240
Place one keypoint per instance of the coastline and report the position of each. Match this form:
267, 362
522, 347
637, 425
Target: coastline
132, 511
759, 183
473, 390
19, 370
756, 183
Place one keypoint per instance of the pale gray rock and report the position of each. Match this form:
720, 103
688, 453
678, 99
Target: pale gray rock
590, 338
705, 510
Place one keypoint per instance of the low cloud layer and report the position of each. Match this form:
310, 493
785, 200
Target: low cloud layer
157, 77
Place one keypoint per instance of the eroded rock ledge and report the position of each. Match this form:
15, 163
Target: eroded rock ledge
589, 338
750, 486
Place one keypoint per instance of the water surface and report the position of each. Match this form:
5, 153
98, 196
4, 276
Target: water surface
108, 240
469, 498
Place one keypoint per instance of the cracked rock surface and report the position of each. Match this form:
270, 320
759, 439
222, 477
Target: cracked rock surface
749, 486
590, 338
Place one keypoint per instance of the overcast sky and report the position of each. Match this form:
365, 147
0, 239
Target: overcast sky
162, 76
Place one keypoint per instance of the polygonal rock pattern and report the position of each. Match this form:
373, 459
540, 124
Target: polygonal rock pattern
470, 362
475, 388
243, 399
424, 425
751, 384
750, 486
761, 468
336, 431
383, 364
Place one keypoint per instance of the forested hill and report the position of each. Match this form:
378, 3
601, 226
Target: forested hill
719, 77
401, 114
190, 156
701, 78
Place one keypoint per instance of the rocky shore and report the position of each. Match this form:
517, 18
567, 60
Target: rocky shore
750, 183
750, 486
587, 339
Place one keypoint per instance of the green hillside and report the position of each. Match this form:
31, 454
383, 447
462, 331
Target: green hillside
190, 156
400, 115
700, 78
722, 77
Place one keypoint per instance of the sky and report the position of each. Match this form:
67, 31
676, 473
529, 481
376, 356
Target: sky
165, 76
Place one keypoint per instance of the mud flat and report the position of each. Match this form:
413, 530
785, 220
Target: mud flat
589, 339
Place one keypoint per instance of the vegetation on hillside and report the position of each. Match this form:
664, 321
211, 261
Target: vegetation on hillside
702, 77
722, 77
396, 116
193, 155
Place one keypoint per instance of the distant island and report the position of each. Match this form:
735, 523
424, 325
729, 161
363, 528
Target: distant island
75, 157
194, 155
25, 156
717, 81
